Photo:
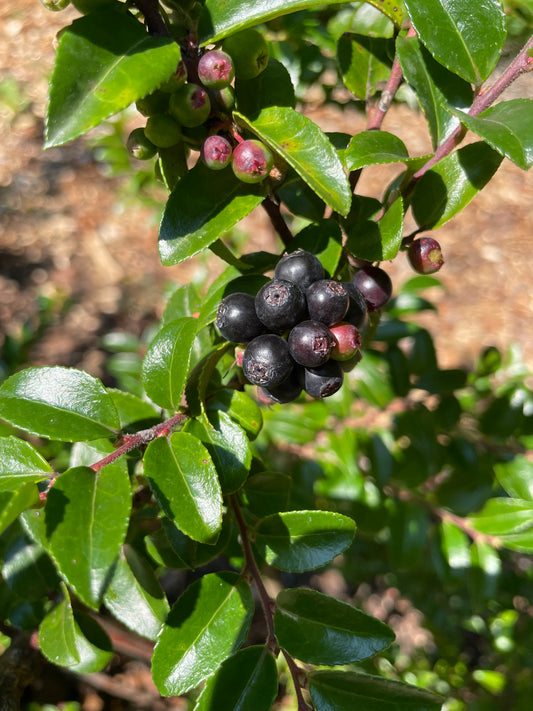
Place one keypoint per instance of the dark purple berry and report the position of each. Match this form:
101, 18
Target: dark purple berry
324, 380
310, 343
347, 341
236, 318
190, 105
357, 311
280, 304
327, 301
215, 69
375, 285
301, 267
252, 161
267, 361
215, 152
285, 392
425, 255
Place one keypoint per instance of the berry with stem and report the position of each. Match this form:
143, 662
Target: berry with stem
375, 285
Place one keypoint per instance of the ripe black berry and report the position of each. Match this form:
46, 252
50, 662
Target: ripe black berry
267, 361
357, 311
425, 255
375, 286
324, 380
287, 391
310, 343
236, 318
301, 267
280, 304
327, 301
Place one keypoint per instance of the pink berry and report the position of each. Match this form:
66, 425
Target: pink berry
215, 69
252, 161
216, 152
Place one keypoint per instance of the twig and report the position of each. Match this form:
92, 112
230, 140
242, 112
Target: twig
154, 22
271, 207
295, 673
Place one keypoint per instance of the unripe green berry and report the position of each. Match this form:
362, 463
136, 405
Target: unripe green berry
249, 51
162, 130
139, 146
55, 5
154, 103
190, 105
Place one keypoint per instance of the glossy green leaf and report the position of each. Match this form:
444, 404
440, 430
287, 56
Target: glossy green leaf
191, 553
219, 19
470, 37
273, 87
247, 681
521, 542
507, 127
133, 412
73, 640
455, 545
205, 626
166, 363
434, 86
58, 403
324, 239
378, 241
87, 517
228, 446
27, 570
307, 149
104, 62
317, 629
134, 596
364, 63
503, 516
203, 205
452, 183
516, 477
374, 148
345, 691
240, 407
302, 540
184, 481
20, 464
184, 301
13, 503
267, 493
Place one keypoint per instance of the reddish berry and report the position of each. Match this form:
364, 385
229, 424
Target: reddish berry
425, 255
215, 69
347, 341
252, 161
215, 152
375, 285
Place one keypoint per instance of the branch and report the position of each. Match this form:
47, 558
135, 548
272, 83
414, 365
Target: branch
271, 207
154, 22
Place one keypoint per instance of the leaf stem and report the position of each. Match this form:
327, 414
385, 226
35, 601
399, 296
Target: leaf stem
295, 673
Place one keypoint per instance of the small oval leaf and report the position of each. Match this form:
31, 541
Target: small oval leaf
20, 464
374, 148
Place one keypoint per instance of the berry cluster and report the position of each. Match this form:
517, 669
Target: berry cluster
193, 108
302, 330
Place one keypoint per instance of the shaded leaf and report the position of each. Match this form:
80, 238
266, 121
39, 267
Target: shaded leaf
273, 87
240, 407
20, 464
27, 570
378, 241
364, 63
191, 553
267, 493
324, 239
205, 626
374, 148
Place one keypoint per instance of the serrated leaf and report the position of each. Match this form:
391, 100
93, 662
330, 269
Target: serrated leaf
220, 19
204, 204
20, 464
58, 403
303, 540
452, 183
378, 241
345, 691
470, 37
87, 517
516, 477
13, 503
104, 62
317, 629
307, 149
133, 412
134, 595
267, 493
374, 148
205, 626
434, 86
184, 481
502, 516
364, 63
228, 446
247, 681
185, 301
507, 127
166, 363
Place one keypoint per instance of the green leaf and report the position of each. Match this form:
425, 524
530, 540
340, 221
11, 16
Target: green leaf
87, 517
184, 481
134, 595
317, 629
104, 62
219, 19
507, 127
191, 553
58, 403
267, 493
203, 205
364, 63
455, 545
434, 86
205, 626
13, 503
452, 183
345, 691
307, 149
185, 301
503, 516
303, 540
247, 681
374, 148
470, 37
378, 241
442, 381
273, 87
228, 446
20, 464
166, 363
521, 542
240, 407
134, 414
324, 239
516, 477
27, 570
